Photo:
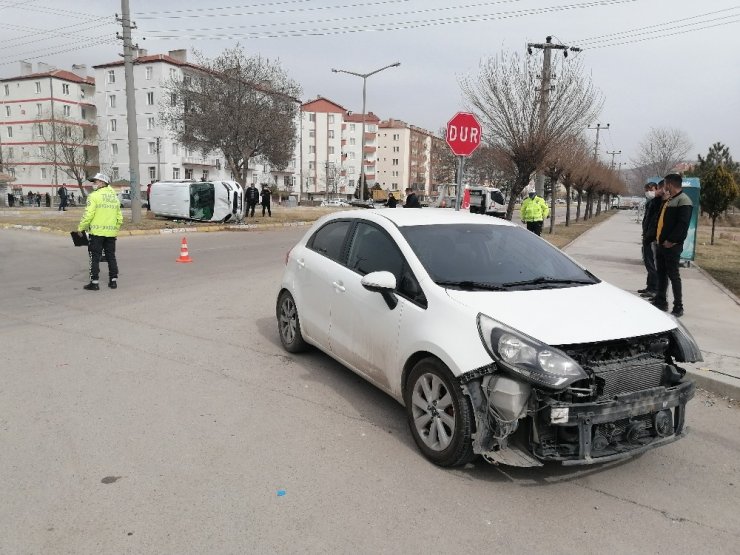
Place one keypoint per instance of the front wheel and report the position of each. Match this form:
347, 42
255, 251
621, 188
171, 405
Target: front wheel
439, 414
289, 325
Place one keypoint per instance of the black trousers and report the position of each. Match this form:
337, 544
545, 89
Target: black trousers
250, 208
648, 258
266, 207
667, 264
62, 203
95, 248
535, 227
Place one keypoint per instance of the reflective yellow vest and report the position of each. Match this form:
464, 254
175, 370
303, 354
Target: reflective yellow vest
534, 210
103, 213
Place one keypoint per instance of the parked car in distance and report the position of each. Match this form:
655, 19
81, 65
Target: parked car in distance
125, 200
335, 203
520, 359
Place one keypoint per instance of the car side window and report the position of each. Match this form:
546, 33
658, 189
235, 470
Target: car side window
373, 250
329, 239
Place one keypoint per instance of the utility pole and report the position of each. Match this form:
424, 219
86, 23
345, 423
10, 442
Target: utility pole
545, 89
598, 128
613, 153
159, 161
133, 134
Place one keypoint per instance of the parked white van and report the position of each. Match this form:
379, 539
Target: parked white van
487, 200
211, 201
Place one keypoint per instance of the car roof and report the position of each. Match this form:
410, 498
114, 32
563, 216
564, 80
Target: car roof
426, 216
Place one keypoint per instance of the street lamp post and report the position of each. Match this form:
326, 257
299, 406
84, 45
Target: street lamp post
364, 98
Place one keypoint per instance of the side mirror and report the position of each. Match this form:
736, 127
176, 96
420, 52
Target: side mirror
383, 283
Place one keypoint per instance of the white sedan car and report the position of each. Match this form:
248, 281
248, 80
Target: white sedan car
335, 203
496, 342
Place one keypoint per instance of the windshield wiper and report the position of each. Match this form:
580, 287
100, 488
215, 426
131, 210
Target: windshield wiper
471, 285
544, 280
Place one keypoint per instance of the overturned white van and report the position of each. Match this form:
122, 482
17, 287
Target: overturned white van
210, 201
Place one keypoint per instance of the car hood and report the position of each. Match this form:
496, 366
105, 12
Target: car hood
569, 315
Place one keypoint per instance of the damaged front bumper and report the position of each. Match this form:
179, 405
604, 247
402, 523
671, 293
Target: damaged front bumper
609, 430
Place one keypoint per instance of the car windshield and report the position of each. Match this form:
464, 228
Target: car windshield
492, 257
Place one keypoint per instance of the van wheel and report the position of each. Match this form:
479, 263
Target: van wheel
289, 325
439, 414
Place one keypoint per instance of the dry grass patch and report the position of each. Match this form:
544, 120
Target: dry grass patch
721, 260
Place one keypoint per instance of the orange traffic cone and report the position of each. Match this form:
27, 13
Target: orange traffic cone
184, 256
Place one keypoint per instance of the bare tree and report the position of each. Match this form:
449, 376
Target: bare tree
442, 162
573, 158
243, 106
660, 151
505, 96
70, 146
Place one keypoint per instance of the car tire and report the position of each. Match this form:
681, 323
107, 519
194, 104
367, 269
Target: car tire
443, 436
289, 324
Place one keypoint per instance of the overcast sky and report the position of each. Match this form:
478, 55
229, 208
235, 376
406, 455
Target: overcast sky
689, 80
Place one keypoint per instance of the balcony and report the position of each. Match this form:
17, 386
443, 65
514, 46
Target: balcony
369, 148
196, 161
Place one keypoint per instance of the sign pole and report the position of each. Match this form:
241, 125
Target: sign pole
458, 192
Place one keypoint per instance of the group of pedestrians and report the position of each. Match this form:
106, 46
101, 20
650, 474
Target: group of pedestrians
665, 225
254, 197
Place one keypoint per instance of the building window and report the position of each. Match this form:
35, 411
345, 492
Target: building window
152, 173
311, 166
173, 72
37, 85
176, 149
175, 173
67, 131
40, 129
187, 80
204, 176
331, 150
113, 125
151, 148
114, 149
150, 98
352, 127
150, 123
312, 117
67, 110
352, 141
395, 161
112, 100
115, 175
10, 153
352, 155
7, 90
311, 148
7, 111
396, 149
83, 113
148, 73
395, 136
351, 170
38, 109
111, 76
11, 171
82, 92
330, 118
43, 173
331, 133
9, 132
65, 88
173, 99
188, 173
311, 133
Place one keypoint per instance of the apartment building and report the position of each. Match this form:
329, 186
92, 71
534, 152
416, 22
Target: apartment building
47, 127
404, 157
160, 156
331, 149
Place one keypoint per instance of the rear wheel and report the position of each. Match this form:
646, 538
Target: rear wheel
289, 325
439, 414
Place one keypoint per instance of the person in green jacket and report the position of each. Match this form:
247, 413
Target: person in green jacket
103, 219
533, 211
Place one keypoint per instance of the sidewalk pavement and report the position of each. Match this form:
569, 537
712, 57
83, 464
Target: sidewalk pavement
611, 250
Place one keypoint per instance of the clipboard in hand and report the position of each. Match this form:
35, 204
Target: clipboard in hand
79, 238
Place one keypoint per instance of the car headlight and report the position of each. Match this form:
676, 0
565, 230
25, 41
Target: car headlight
686, 347
527, 357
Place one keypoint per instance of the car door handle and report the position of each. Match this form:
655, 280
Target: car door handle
338, 286
301, 263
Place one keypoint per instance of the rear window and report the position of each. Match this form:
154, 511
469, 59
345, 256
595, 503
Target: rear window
329, 239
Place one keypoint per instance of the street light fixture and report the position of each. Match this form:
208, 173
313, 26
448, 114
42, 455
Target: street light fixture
364, 77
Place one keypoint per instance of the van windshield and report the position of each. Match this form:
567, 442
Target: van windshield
202, 198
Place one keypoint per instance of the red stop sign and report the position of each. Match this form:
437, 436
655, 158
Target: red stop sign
463, 134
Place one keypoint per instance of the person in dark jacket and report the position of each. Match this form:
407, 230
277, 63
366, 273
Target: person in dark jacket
654, 196
252, 195
266, 194
412, 201
391, 202
62, 192
673, 227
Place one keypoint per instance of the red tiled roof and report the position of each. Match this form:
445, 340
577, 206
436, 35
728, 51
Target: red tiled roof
357, 118
62, 74
321, 101
150, 59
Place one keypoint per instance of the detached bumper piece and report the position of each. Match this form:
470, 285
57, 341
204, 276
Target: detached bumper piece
607, 430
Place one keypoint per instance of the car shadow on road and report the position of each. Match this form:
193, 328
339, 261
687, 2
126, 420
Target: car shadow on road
378, 409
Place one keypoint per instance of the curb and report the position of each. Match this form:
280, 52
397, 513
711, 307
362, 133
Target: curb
715, 382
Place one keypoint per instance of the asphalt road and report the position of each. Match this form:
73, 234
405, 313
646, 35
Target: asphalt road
164, 417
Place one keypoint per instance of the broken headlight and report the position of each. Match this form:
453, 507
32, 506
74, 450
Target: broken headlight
527, 357
686, 348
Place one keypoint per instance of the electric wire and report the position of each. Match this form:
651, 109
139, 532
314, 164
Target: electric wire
90, 42
167, 14
609, 45
50, 34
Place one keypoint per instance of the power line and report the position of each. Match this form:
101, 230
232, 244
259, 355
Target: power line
608, 45
89, 42
346, 18
50, 34
52, 11
395, 26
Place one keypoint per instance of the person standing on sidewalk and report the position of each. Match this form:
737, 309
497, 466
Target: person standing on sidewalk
103, 219
654, 196
672, 229
412, 201
533, 212
266, 194
252, 195
62, 192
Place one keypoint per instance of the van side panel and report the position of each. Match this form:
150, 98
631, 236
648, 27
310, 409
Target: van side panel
170, 199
